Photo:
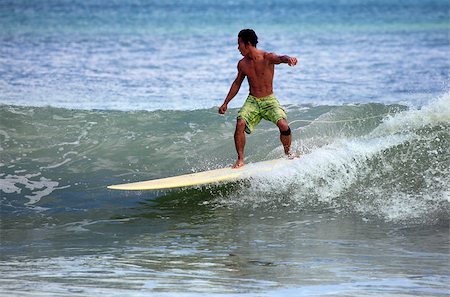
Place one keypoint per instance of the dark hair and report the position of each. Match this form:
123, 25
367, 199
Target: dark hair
248, 35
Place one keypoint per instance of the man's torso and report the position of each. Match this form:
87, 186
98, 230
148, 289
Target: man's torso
259, 72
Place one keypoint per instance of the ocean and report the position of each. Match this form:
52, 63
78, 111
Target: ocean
94, 93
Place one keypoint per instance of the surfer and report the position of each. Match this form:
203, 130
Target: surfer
258, 66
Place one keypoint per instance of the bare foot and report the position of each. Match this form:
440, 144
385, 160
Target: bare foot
291, 156
238, 164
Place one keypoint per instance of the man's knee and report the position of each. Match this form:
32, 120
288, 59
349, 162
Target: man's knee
286, 133
240, 125
284, 127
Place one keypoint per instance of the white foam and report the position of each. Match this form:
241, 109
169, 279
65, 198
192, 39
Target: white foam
437, 111
56, 165
328, 173
39, 188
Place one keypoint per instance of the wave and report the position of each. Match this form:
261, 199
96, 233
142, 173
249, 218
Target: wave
378, 161
399, 171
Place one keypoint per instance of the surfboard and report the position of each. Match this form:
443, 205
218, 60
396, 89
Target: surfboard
205, 177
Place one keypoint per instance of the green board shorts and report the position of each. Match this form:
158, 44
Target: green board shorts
255, 109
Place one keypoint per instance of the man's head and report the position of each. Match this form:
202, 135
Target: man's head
247, 39
248, 36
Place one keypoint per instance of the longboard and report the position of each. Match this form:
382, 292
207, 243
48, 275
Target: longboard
205, 177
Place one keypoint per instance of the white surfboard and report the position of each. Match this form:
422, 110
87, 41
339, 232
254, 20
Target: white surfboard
205, 177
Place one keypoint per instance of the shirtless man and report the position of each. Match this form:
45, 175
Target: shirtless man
258, 66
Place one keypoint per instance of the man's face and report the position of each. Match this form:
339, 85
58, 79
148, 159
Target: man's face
242, 47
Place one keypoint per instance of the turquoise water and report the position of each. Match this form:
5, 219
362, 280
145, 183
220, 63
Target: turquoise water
182, 55
106, 92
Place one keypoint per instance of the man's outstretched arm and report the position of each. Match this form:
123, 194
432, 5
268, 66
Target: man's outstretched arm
275, 59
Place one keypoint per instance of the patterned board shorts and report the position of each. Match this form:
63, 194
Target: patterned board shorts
255, 109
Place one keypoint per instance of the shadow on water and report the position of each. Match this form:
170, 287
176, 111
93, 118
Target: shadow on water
180, 203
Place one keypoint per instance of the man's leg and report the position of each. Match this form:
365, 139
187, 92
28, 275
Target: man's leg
239, 141
285, 136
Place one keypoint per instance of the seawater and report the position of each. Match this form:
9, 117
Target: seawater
98, 93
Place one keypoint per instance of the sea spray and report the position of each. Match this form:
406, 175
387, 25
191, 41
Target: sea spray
397, 172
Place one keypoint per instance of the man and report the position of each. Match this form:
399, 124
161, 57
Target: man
258, 66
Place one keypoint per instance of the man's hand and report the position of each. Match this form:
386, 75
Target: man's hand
292, 61
223, 108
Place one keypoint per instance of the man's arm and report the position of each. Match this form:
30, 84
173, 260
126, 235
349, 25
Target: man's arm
275, 59
233, 90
